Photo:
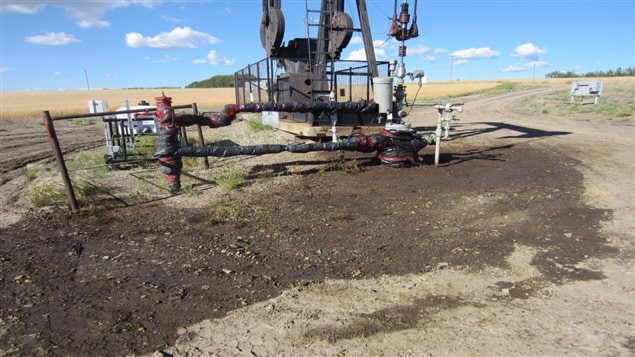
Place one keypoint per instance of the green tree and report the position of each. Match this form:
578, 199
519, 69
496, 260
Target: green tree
220, 81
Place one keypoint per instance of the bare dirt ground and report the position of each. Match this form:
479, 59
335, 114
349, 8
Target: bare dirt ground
521, 243
23, 141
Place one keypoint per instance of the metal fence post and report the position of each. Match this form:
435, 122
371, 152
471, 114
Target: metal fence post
57, 151
200, 135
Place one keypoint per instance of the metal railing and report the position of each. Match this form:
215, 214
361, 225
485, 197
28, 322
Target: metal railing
49, 126
267, 80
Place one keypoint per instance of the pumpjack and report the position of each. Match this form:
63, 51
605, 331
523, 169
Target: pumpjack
310, 70
309, 94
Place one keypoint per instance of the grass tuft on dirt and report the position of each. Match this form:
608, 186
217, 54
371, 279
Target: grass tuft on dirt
257, 125
231, 179
51, 192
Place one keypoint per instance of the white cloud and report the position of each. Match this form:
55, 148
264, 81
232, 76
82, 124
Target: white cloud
213, 59
430, 58
21, 7
529, 50
419, 50
537, 64
526, 66
356, 40
57, 73
360, 54
228, 61
5, 70
380, 43
514, 68
86, 14
95, 23
357, 55
52, 39
476, 53
180, 37
440, 50
461, 61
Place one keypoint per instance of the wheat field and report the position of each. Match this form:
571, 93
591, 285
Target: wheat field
22, 105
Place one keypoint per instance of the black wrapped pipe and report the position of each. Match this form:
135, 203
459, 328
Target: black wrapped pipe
224, 151
348, 145
294, 107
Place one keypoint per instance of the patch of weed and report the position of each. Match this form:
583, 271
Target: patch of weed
81, 121
350, 166
85, 160
51, 191
257, 125
231, 179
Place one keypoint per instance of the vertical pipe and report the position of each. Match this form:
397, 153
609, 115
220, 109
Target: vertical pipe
200, 135
350, 85
269, 80
124, 143
259, 81
236, 90
437, 140
57, 151
249, 78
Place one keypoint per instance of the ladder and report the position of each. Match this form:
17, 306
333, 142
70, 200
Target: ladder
320, 63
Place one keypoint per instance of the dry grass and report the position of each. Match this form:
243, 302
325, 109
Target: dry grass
22, 105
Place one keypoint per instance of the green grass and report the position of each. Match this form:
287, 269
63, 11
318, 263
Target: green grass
51, 191
32, 171
190, 191
89, 160
559, 104
145, 146
257, 125
504, 87
231, 179
81, 121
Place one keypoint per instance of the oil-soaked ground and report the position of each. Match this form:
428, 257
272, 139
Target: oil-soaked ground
124, 280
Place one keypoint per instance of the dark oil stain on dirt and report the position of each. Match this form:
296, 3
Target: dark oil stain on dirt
72, 285
388, 320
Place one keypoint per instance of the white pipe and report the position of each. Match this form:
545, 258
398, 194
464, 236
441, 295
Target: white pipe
446, 126
437, 141
334, 128
131, 130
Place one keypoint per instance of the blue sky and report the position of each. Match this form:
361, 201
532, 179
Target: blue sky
50, 45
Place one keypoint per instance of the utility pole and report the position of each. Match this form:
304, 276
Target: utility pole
86, 74
451, 57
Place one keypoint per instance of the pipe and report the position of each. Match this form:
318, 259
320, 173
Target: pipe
437, 141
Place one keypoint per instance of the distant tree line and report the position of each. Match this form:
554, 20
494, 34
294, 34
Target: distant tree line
221, 81
619, 72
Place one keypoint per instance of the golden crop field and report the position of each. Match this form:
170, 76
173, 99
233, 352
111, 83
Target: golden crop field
17, 105
20, 105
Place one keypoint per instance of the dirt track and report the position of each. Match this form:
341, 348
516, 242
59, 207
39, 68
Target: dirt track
24, 141
520, 244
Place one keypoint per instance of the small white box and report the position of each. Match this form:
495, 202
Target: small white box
270, 118
97, 106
